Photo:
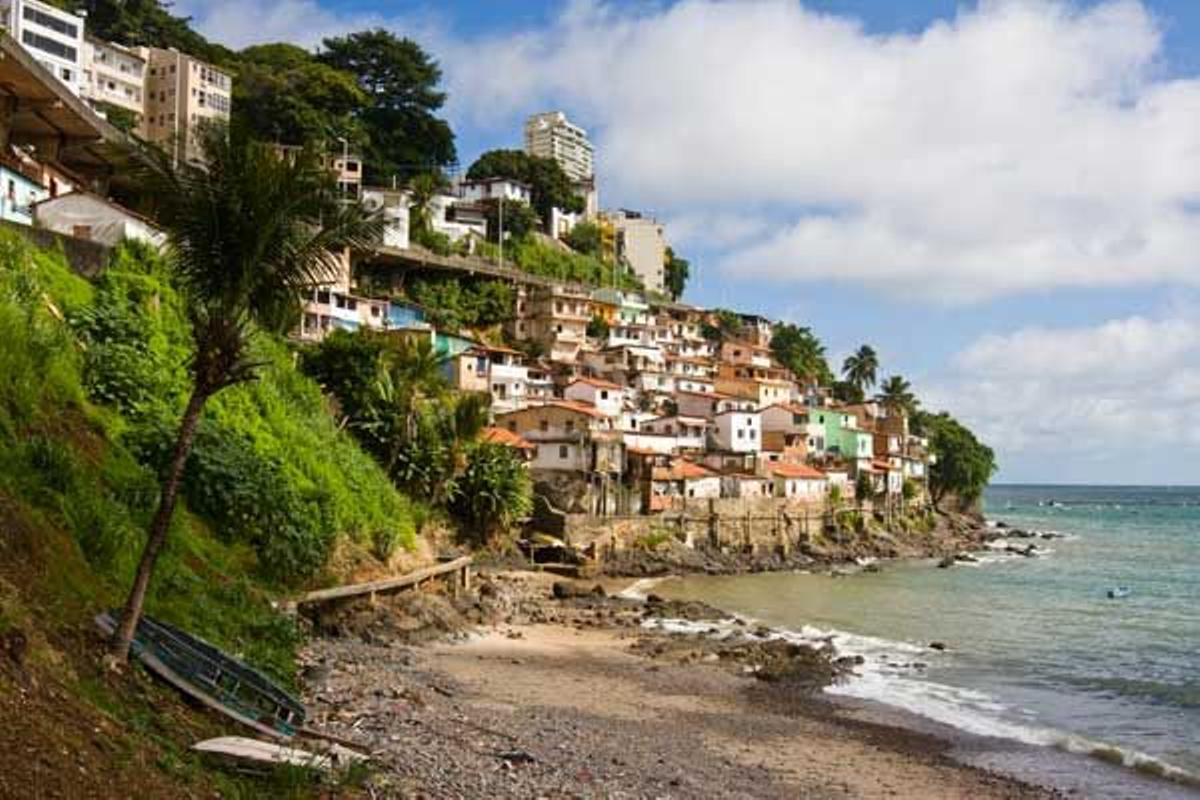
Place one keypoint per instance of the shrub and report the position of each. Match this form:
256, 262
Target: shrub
494, 491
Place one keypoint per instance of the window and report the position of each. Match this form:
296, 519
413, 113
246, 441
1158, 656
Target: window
563, 450
544, 426
741, 435
570, 426
604, 394
512, 426
48, 45
51, 22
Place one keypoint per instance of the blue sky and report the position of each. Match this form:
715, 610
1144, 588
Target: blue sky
1002, 197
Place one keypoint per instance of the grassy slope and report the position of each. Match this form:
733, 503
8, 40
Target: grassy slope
74, 504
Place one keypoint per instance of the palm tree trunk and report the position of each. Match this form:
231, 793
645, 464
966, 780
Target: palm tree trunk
132, 613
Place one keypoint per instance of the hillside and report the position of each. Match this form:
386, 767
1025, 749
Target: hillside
93, 375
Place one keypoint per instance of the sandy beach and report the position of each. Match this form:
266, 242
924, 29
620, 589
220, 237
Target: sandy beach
572, 697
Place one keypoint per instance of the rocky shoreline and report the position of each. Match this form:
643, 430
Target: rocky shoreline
955, 538
537, 687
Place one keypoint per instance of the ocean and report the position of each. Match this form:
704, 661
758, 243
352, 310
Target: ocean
1076, 689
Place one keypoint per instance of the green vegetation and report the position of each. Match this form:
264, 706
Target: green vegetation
598, 328
81, 410
678, 270
452, 303
248, 232
586, 238
549, 186
724, 324
799, 350
896, 394
520, 221
549, 261
964, 464
860, 368
493, 492
284, 94
400, 80
401, 409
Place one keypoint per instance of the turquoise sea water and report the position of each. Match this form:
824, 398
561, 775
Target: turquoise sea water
1036, 651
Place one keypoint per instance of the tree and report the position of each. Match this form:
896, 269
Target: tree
676, 271
549, 186
247, 234
585, 238
847, 392
422, 189
860, 368
519, 220
147, 22
798, 349
346, 364
401, 83
284, 94
896, 395
495, 490
598, 327
404, 378
963, 465
722, 324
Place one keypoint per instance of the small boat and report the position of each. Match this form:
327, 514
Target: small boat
1118, 592
219, 681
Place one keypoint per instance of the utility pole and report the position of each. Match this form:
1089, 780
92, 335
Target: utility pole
500, 232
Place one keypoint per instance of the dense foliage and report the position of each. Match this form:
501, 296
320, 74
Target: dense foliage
282, 93
534, 256
549, 186
798, 349
452, 303
677, 271
964, 464
90, 372
268, 467
400, 81
426, 437
587, 239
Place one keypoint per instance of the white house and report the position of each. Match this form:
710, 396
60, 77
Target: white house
393, 209
511, 191
508, 378
738, 431
18, 193
799, 482
89, 216
689, 432
709, 404
607, 397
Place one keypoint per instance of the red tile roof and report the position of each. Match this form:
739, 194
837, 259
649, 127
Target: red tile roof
506, 437
796, 471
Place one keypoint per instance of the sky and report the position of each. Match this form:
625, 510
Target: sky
1002, 196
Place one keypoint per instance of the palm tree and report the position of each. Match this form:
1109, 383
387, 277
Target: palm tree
406, 377
896, 395
422, 189
860, 368
246, 234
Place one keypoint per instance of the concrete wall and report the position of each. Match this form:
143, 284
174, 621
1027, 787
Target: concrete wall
86, 258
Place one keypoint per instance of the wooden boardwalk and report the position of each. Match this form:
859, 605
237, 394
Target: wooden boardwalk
459, 567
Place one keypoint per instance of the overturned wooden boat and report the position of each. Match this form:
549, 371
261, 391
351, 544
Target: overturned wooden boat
251, 752
217, 680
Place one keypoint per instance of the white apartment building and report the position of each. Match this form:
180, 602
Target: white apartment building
640, 243
183, 94
552, 135
114, 75
53, 36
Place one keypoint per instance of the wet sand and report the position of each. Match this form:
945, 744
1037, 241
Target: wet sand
579, 701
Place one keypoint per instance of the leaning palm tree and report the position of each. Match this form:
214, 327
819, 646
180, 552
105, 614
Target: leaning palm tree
896, 394
422, 189
860, 368
247, 233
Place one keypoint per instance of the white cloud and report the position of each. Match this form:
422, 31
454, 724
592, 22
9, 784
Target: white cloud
1126, 388
1022, 145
